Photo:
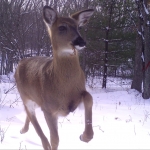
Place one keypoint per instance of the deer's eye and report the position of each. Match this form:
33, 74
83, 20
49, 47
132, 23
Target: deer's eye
62, 28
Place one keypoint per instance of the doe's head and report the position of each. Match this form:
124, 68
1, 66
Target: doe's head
63, 31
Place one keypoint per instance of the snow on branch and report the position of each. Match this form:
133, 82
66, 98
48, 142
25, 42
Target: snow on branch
8, 49
108, 28
141, 35
142, 56
141, 16
112, 40
146, 11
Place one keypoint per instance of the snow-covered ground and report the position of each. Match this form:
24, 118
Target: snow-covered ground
121, 120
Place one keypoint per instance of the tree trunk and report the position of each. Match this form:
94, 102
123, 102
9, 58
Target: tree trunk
138, 74
146, 77
106, 46
105, 61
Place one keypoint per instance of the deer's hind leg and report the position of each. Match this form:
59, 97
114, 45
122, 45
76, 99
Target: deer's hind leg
30, 110
88, 131
26, 126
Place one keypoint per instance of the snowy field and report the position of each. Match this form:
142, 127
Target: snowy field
121, 120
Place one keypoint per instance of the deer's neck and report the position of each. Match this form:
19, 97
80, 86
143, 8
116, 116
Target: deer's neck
66, 66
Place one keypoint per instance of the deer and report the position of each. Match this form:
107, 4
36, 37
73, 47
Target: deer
56, 84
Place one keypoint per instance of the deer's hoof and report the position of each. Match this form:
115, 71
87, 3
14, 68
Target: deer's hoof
23, 130
85, 138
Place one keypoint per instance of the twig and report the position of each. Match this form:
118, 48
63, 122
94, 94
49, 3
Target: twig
147, 114
13, 87
20, 146
99, 128
134, 130
129, 120
2, 133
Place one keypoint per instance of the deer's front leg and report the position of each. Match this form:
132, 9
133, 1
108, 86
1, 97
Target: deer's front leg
88, 103
52, 124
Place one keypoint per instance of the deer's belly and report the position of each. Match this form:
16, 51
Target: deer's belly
65, 108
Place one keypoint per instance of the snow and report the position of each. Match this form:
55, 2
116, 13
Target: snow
121, 120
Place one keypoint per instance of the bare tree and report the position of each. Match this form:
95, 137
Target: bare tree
22, 32
142, 57
146, 28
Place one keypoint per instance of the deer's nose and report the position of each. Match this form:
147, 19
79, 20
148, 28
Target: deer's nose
79, 42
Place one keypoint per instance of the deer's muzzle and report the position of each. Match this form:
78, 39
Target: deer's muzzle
79, 42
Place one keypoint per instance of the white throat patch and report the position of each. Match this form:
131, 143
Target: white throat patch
72, 51
66, 52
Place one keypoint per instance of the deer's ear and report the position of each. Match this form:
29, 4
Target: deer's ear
83, 16
49, 15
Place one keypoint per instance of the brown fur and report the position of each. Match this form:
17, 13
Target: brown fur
56, 85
